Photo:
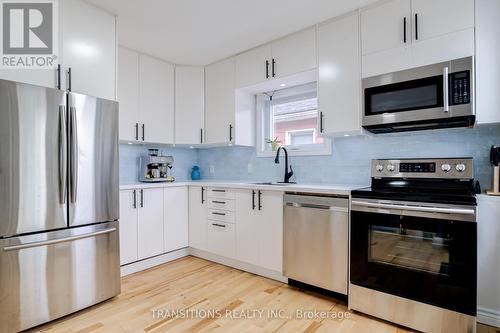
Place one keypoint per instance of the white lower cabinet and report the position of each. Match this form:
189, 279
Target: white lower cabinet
197, 217
176, 217
221, 238
259, 228
128, 226
153, 221
150, 222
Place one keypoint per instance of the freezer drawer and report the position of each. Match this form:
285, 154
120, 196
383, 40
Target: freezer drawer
47, 276
315, 236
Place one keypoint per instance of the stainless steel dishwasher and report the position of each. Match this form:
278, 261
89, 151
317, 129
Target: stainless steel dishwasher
316, 240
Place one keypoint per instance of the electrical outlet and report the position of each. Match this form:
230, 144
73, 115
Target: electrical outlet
212, 169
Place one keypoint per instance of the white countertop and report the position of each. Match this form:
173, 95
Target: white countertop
337, 189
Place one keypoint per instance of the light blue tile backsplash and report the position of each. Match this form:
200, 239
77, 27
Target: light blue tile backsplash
184, 159
349, 163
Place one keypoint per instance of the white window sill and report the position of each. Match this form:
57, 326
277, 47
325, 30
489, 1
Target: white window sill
298, 152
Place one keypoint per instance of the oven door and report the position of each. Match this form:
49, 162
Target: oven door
423, 252
435, 92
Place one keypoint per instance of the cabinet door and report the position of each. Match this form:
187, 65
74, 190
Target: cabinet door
150, 222
339, 80
189, 104
197, 218
434, 18
40, 77
295, 53
221, 239
156, 100
128, 227
220, 102
251, 66
271, 230
247, 227
383, 39
89, 48
128, 93
176, 218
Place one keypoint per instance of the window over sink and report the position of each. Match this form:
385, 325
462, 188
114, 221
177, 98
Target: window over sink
289, 118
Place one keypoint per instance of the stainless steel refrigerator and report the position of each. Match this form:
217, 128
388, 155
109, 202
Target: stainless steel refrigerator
59, 244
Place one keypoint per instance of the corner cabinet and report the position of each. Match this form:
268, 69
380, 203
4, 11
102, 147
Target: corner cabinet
339, 76
284, 57
189, 105
146, 96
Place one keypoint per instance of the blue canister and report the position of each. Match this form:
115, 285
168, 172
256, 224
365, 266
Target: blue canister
195, 173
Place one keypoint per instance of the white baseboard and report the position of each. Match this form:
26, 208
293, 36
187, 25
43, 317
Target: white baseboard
239, 265
488, 317
151, 262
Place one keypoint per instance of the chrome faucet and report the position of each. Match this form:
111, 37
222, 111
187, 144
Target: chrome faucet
288, 174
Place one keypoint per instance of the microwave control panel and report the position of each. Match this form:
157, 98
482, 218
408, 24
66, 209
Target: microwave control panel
460, 88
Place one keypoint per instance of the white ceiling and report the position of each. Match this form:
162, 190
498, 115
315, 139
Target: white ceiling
203, 31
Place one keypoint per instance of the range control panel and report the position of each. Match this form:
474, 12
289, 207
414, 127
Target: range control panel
447, 168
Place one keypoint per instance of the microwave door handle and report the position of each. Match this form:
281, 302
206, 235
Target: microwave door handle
446, 100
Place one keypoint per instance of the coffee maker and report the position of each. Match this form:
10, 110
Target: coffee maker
153, 168
495, 162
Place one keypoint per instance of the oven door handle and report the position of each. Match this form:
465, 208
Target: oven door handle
462, 211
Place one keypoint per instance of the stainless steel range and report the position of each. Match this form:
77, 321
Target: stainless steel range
414, 246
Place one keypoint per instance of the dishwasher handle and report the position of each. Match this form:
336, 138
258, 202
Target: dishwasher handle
316, 206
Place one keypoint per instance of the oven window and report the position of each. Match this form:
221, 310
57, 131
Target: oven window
410, 249
418, 94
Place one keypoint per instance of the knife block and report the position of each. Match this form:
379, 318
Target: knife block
496, 182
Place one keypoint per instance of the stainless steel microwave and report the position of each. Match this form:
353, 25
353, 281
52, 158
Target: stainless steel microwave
429, 97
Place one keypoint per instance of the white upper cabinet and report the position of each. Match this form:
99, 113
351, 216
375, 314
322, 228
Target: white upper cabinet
253, 66
284, 57
401, 34
89, 48
487, 64
294, 54
220, 101
128, 93
433, 18
156, 100
384, 43
189, 104
175, 218
339, 78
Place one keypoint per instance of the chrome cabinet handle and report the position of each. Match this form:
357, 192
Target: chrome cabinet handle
57, 241
73, 154
463, 211
63, 157
218, 225
446, 100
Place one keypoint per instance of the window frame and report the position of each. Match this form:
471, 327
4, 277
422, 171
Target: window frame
262, 103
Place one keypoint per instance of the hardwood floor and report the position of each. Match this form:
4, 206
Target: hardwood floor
194, 286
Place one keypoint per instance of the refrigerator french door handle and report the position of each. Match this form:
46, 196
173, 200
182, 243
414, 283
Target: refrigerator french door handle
57, 241
73, 141
63, 156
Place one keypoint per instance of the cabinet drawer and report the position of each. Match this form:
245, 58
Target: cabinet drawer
221, 204
222, 193
221, 239
221, 215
